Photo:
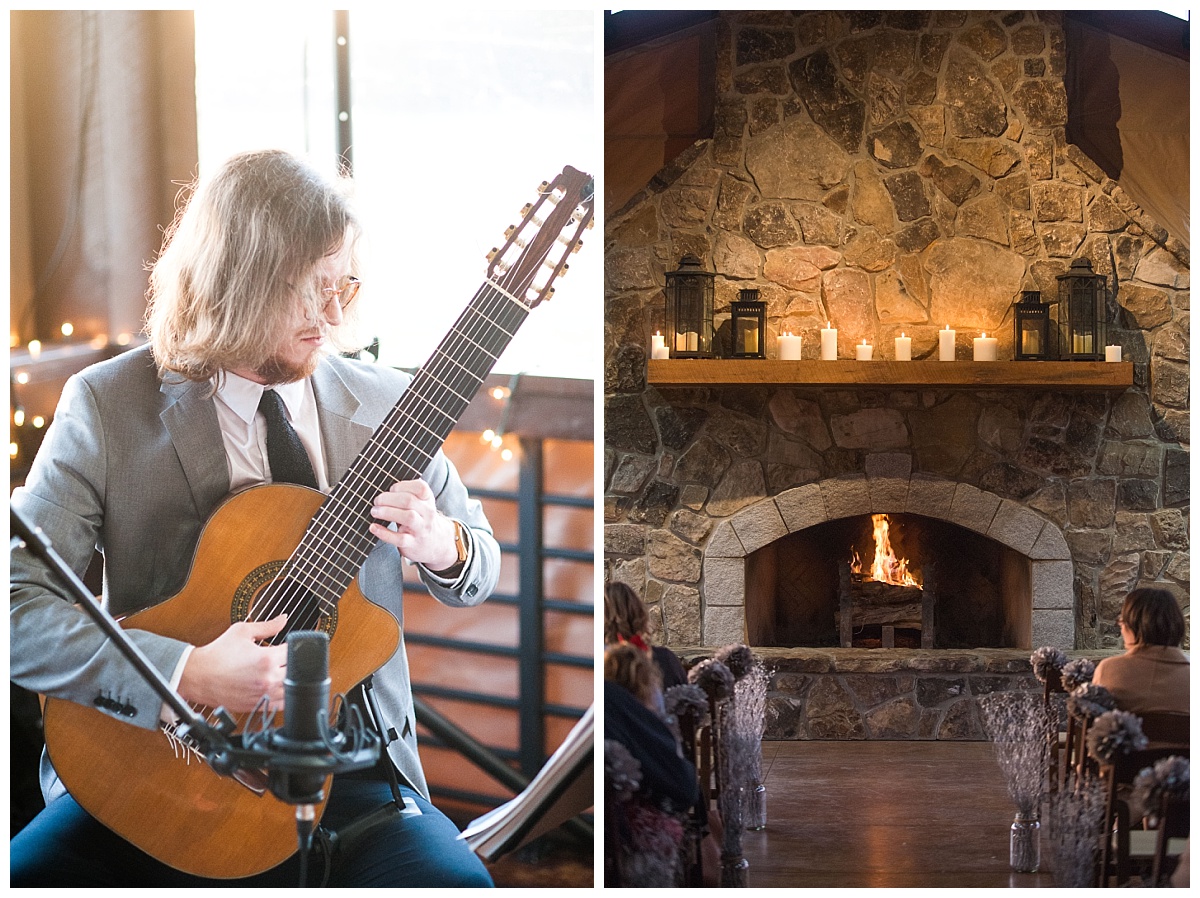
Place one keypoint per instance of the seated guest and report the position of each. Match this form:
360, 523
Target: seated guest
651, 823
626, 619
627, 665
1153, 674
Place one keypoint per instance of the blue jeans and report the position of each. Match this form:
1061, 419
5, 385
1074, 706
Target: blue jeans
65, 846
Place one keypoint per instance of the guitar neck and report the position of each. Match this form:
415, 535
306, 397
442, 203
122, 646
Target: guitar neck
338, 540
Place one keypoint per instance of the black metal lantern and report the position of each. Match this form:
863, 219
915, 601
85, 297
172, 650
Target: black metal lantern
748, 325
1032, 335
1082, 321
690, 310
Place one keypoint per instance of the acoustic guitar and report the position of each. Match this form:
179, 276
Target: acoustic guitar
153, 788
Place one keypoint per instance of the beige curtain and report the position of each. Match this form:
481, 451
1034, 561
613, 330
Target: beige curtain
103, 132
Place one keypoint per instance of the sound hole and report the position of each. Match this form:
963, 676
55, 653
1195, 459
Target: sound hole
264, 595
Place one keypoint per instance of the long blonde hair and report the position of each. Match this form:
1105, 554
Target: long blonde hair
238, 263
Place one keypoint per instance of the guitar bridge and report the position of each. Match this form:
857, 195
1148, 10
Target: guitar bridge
256, 781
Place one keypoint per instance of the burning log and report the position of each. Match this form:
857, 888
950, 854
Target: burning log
865, 602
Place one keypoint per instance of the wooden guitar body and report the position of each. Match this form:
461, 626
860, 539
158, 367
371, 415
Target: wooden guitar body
164, 798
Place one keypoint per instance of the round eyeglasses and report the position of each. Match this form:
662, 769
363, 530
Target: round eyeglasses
344, 292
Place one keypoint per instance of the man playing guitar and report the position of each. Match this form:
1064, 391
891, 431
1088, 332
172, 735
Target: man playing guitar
252, 291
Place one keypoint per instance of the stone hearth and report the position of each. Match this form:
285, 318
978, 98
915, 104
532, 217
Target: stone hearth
898, 694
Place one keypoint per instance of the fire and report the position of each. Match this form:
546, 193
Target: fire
886, 567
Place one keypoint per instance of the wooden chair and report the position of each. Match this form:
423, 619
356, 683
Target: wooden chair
1174, 828
1169, 734
1059, 741
1078, 765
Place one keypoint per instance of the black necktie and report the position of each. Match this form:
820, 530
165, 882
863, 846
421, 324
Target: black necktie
285, 453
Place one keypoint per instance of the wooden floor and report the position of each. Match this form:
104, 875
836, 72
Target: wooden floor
885, 815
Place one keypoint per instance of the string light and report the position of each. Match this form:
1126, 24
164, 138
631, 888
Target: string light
19, 417
67, 328
495, 438
22, 377
35, 348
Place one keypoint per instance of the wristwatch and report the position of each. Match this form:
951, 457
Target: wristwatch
460, 542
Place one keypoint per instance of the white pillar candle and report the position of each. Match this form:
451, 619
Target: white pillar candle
985, 348
903, 348
789, 347
658, 347
863, 351
946, 344
1112, 353
828, 342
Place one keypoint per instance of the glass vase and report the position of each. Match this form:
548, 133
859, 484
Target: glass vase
1024, 847
756, 807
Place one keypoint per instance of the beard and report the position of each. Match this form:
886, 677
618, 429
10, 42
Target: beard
278, 370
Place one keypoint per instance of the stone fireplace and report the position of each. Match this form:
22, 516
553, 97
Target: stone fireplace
893, 174
1004, 576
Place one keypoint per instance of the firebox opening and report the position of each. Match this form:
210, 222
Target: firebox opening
981, 589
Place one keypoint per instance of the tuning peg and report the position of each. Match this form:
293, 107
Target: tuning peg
525, 209
495, 252
576, 247
543, 187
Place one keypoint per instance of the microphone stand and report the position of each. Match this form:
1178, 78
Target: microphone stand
215, 743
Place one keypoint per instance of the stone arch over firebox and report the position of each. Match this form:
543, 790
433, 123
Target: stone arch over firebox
888, 487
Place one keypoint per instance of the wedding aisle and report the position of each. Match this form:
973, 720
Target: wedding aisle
885, 815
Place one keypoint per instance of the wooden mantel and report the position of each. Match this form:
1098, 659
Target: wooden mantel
1114, 376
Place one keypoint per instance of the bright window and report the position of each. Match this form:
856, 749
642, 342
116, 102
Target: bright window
457, 117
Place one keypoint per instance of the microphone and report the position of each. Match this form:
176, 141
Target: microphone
305, 716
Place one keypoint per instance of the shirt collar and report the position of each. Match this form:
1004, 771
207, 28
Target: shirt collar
242, 395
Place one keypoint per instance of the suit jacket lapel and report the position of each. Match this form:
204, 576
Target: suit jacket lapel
341, 436
191, 419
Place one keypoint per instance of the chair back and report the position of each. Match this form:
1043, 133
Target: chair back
1174, 822
1167, 728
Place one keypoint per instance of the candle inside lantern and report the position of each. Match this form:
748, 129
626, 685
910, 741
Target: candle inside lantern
864, 351
828, 342
903, 348
985, 348
658, 347
1081, 344
686, 342
1112, 353
789, 347
946, 345
750, 337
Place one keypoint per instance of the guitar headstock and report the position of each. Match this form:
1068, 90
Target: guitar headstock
535, 251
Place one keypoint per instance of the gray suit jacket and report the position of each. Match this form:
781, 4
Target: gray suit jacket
134, 467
